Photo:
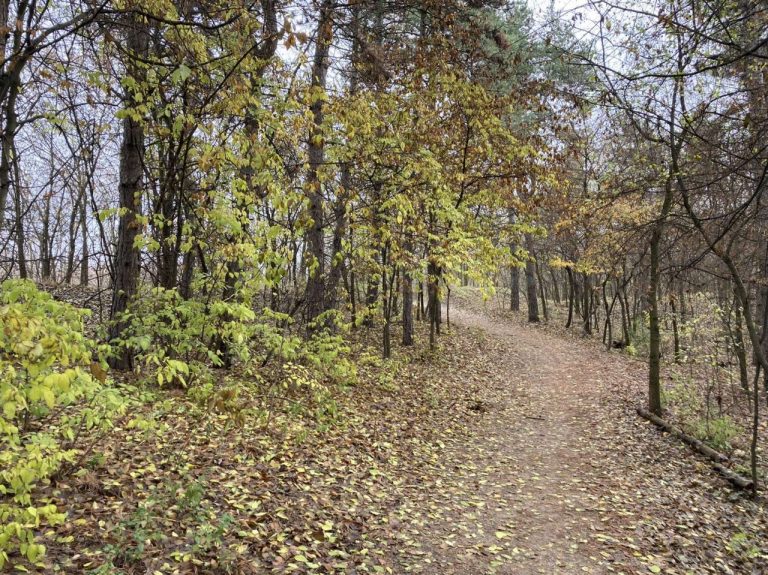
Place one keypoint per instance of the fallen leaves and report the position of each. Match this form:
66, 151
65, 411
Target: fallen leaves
553, 474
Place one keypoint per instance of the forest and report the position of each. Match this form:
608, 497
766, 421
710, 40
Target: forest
383, 286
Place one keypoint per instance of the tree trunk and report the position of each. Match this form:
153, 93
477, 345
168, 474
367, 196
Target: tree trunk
420, 305
555, 286
433, 304
675, 328
407, 300
577, 296
530, 283
19, 221
514, 271
10, 80
739, 347
762, 313
386, 297
45, 239
571, 297
353, 296
514, 303
316, 158
586, 308
72, 231
85, 255
654, 345
131, 175
543, 291
371, 299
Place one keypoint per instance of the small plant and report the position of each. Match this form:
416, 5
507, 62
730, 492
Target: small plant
326, 352
684, 396
718, 432
175, 340
201, 530
51, 395
743, 545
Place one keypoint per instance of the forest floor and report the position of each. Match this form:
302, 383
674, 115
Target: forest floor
511, 450
561, 476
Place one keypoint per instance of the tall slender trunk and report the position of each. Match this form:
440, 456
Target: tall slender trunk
675, 328
586, 310
19, 221
555, 286
371, 298
126, 256
571, 296
420, 302
433, 305
514, 271
10, 80
337, 244
316, 158
72, 231
386, 298
654, 345
530, 282
625, 321
543, 291
739, 348
85, 255
514, 303
762, 312
407, 286
577, 297
45, 240
187, 273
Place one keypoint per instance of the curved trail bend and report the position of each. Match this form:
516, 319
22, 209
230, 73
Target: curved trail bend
559, 476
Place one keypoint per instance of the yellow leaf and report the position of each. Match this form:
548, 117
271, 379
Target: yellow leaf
49, 398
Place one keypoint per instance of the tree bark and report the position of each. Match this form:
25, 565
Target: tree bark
530, 282
514, 303
654, 345
571, 297
316, 157
19, 220
407, 286
543, 291
586, 309
126, 257
10, 80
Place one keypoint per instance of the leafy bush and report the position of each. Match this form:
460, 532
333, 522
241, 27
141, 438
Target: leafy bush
718, 432
175, 340
199, 530
48, 399
685, 396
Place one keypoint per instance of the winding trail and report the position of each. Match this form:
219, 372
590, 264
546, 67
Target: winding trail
559, 477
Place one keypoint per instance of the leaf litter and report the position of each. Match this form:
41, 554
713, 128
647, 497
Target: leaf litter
511, 450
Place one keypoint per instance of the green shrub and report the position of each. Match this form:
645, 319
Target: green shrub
202, 530
718, 432
48, 400
684, 395
175, 340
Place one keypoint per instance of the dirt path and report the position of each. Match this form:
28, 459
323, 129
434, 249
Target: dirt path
559, 477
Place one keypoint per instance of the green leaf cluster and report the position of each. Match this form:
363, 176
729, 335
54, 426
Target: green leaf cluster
49, 400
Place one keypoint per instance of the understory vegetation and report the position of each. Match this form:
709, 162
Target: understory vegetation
233, 235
